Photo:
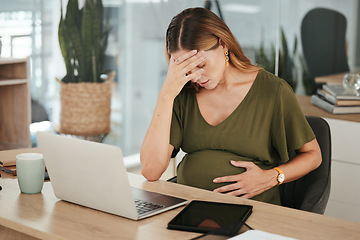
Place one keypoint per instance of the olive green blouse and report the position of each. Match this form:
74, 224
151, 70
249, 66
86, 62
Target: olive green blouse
263, 128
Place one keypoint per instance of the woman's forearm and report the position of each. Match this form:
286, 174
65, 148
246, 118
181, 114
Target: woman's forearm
156, 151
307, 159
256, 180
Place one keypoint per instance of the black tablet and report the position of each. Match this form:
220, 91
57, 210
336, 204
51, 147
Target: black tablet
211, 217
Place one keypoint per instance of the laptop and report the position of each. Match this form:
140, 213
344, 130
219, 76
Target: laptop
94, 175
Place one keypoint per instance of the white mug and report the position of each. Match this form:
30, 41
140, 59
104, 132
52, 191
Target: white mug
30, 170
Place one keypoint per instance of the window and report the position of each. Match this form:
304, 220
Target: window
136, 47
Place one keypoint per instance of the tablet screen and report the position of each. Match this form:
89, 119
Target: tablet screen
211, 217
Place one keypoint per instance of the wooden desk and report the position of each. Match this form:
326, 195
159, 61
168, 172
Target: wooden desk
43, 216
312, 110
333, 78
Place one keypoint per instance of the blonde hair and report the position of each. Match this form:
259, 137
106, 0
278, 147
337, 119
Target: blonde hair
201, 29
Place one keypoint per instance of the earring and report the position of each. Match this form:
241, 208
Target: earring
226, 58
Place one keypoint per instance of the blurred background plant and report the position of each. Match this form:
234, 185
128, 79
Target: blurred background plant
290, 64
83, 39
308, 82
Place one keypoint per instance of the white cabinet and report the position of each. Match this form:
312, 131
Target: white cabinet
345, 170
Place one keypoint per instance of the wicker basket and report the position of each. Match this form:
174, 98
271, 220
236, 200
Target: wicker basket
85, 107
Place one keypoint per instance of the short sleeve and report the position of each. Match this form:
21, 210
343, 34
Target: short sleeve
290, 129
176, 127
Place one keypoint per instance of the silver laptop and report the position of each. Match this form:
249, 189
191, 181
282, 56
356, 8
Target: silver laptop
94, 175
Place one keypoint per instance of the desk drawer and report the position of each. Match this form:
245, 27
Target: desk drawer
345, 182
343, 210
345, 138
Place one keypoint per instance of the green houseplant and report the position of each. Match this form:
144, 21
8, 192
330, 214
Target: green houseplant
84, 94
287, 66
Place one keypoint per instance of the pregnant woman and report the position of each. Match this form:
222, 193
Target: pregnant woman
235, 121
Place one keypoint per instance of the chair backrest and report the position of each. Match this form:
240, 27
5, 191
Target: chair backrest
311, 192
324, 42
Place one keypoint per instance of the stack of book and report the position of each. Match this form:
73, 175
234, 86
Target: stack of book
335, 99
8, 166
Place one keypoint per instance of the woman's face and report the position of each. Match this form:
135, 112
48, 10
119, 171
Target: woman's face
213, 65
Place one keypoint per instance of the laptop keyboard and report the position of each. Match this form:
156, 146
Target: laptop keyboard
144, 207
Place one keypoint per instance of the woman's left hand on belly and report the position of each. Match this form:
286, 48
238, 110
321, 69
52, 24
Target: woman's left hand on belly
248, 184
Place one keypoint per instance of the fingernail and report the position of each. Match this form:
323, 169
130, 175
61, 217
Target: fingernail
201, 70
194, 51
202, 59
215, 180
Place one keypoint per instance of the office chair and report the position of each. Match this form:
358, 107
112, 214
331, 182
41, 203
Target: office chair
311, 192
38, 112
324, 42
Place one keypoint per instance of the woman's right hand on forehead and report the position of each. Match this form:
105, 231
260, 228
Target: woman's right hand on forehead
181, 70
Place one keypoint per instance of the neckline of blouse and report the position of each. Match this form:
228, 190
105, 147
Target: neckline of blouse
236, 109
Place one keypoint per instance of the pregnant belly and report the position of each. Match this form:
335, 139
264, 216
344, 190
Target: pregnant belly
199, 169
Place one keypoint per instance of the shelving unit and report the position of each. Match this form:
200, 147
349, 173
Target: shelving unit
15, 103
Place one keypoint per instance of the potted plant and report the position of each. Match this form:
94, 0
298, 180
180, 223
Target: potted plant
85, 94
287, 67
